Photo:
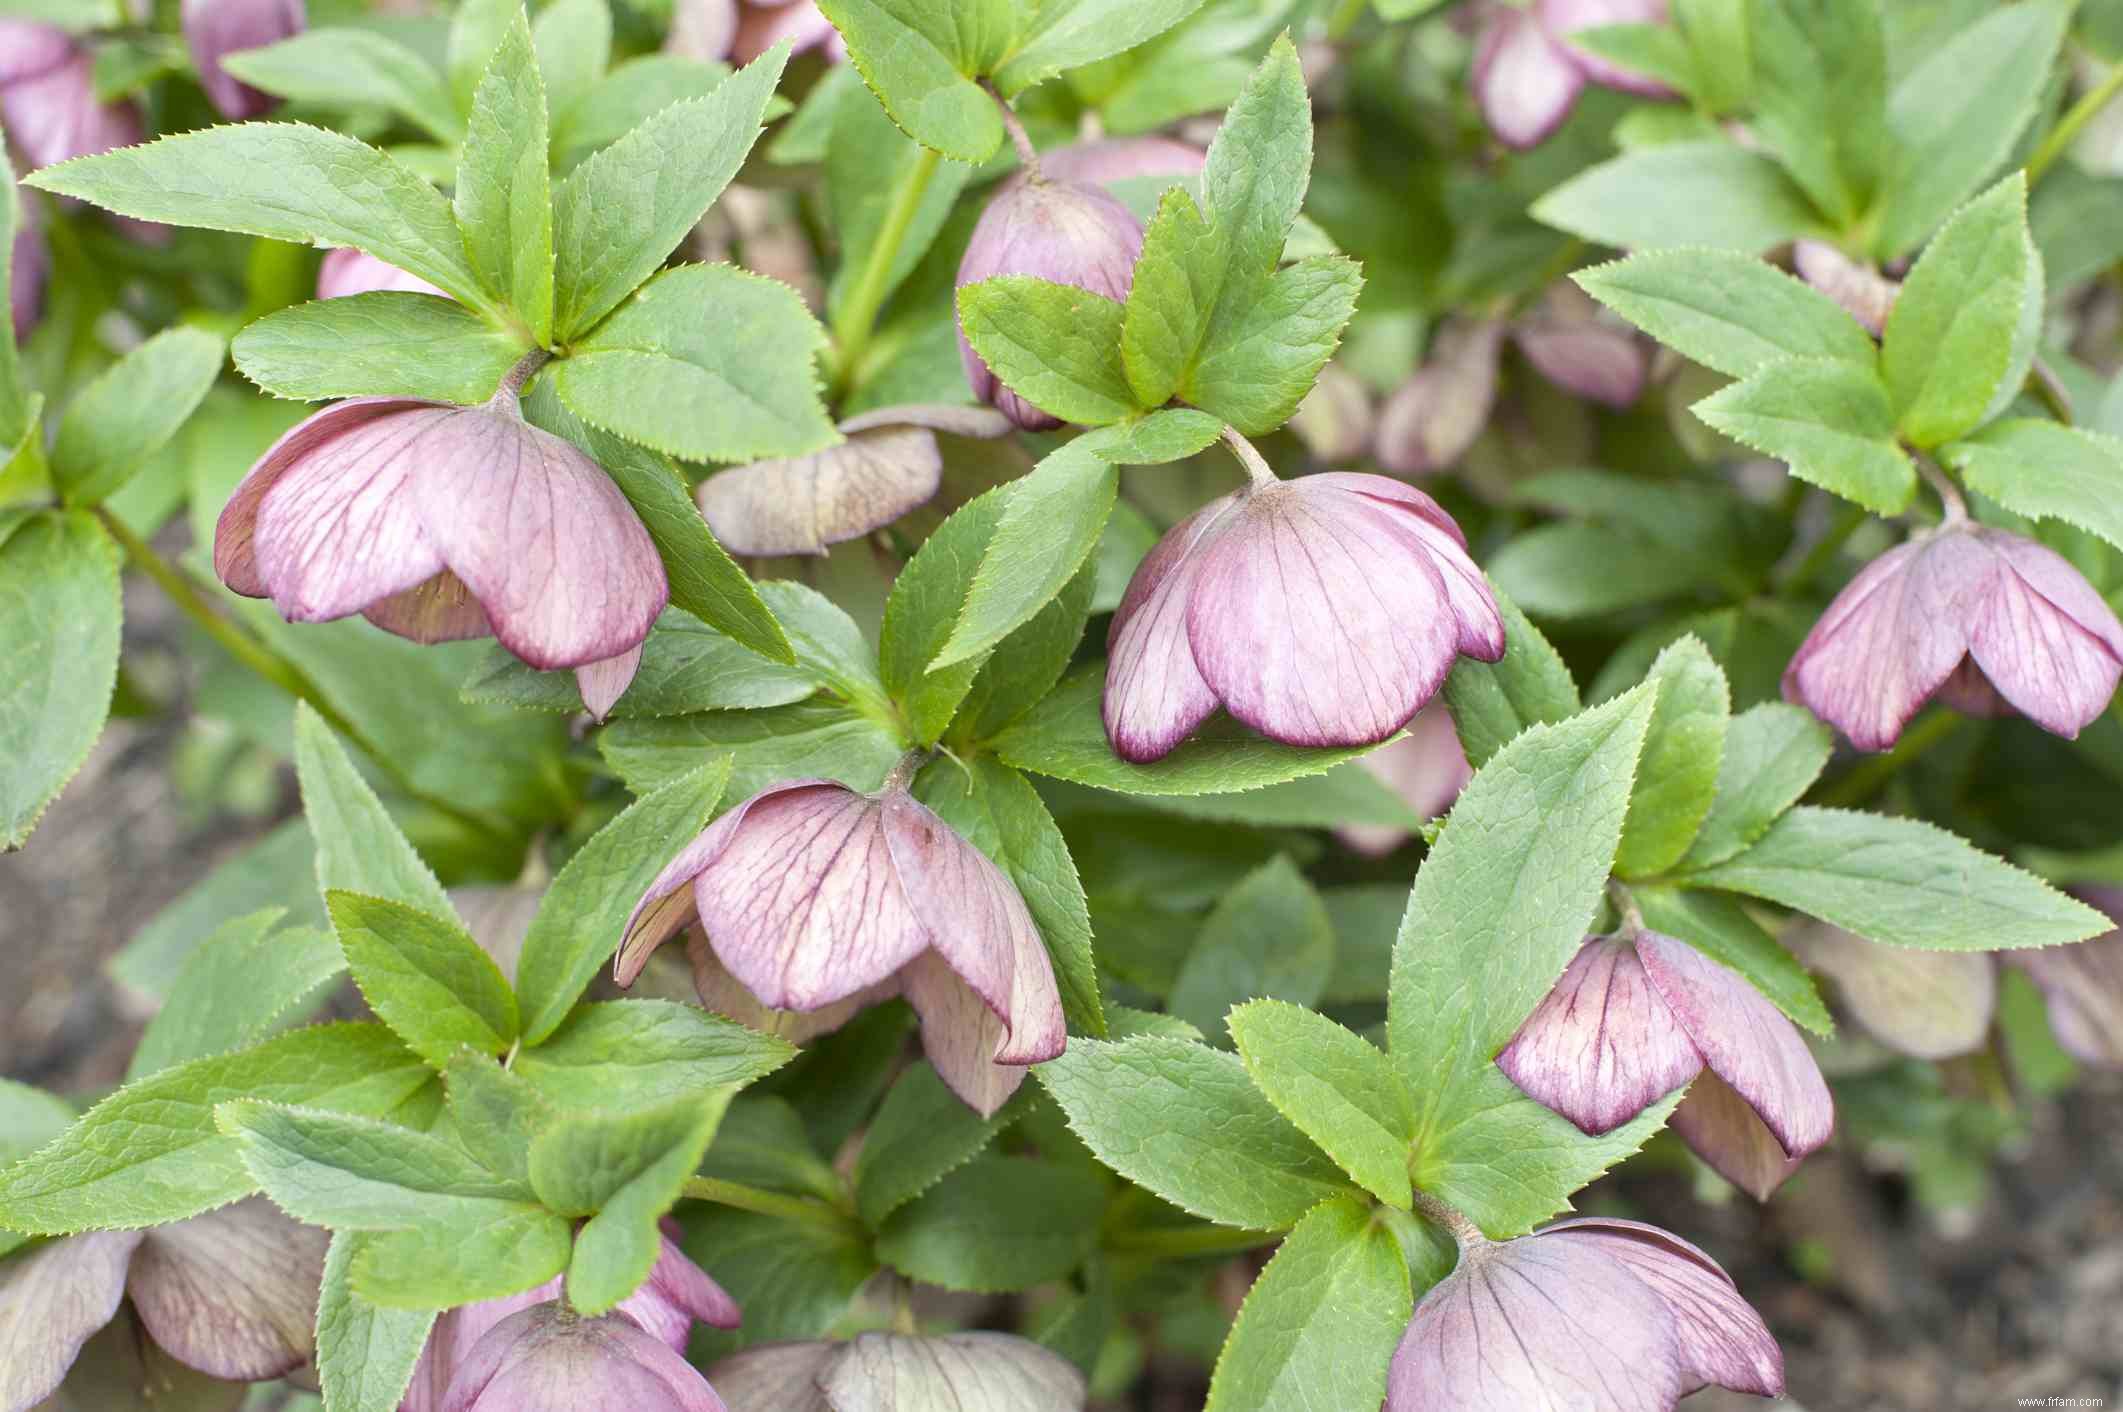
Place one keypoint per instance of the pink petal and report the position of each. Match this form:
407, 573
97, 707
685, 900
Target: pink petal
1563, 18
1154, 695
1884, 646
2043, 636
214, 29
960, 1034
964, 1372
1602, 1046
29, 266
603, 683
1745, 1040
28, 48
1538, 1325
804, 905
1723, 1341
702, 29
1928, 1004
1317, 617
52, 1297
440, 609
1724, 1130
678, 1294
456, 1332
2084, 987
725, 995
1426, 769
1103, 161
761, 27
52, 115
547, 1359
980, 926
232, 1293
1588, 360
541, 536
336, 526
1432, 418
349, 271
1523, 81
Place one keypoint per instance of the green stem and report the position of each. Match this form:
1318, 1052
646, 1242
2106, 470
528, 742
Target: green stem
2072, 123
1865, 778
270, 665
857, 319
805, 1209
1180, 1242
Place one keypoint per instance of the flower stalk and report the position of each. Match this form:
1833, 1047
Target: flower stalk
807, 1210
856, 323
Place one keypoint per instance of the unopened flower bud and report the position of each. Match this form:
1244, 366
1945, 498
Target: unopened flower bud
811, 894
1984, 619
1528, 74
2083, 984
1585, 1314
1107, 160
1063, 232
1319, 611
1582, 349
880, 1372
550, 1359
1630, 1021
214, 29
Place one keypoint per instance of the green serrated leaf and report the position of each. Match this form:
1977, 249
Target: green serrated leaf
1054, 345
1829, 421
130, 412
1335, 1088
60, 616
646, 1052
997, 1223
1901, 882
236, 986
893, 45
1773, 754
424, 977
1729, 311
504, 187
580, 919
823, 739
1254, 180
1159, 438
359, 848
1683, 750
1820, 90
1068, 34
1319, 1326
1258, 361
1024, 666
921, 1134
1269, 937
686, 666
574, 47
340, 66
1491, 702
365, 1355
385, 343
2046, 471
1178, 278
1183, 1121
1719, 927
1683, 193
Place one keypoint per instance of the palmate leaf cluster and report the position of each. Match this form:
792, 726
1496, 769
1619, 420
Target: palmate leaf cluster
1274, 1039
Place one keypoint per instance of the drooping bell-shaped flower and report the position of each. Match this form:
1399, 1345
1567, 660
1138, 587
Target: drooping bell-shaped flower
1107, 160
439, 522
550, 1359
29, 266
232, 1294
1583, 1316
1319, 611
1927, 1004
1426, 769
349, 271
1432, 418
676, 1295
1582, 349
1986, 620
1865, 294
48, 98
2083, 984
214, 29
1527, 73
1631, 1021
889, 464
880, 1372
812, 894
1061, 231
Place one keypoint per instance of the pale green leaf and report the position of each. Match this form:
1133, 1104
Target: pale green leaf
505, 188
928, 95
1491, 702
365, 1355
1054, 345
59, 628
1820, 92
236, 987
1830, 421
1258, 361
1068, 34
922, 1133
384, 343
131, 411
647, 1052
1682, 753
1684, 193
359, 848
1773, 754
1335, 1088
340, 66
1729, 311
424, 977
2045, 470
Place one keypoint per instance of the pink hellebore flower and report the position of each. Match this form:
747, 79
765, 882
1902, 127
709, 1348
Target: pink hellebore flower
1060, 231
1582, 349
48, 97
439, 522
742, 30
1584, 1316
29, 265
349, 271
1320, 611
812, 895
1527, 73
1629, 1023
878, 1372
1426, 768
232, 1293
214, 29
520, 1353
1986, 620
1107, 160
1432, 418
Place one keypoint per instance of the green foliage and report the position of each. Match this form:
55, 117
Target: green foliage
336, 66
236, 987
922, 1133
649, 1051
59, 622
1820, 84
1054, 345
504, 185
997, 1223
131, 411
1728, 311
1492, 702
424, 977
1830, 421
1680, 763
1269, 936
386, 343
1773, 754
2046, 471
1683, 193
1334, 1087
359, 849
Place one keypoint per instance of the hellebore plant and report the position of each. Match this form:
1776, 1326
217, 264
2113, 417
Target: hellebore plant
1348, 867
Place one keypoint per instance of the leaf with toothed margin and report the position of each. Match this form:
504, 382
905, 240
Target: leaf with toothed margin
60, 616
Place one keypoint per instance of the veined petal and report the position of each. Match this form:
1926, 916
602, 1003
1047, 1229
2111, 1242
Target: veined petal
1929, 1004
52, 1297
804, 905
805, 503
232, 1293
547, 1359
960, 1034
1103, 161
454, 1335
1537, 1325
724, 994
1524, 82
678, 1294
1587, 359
2042, 635
1745, 1040
964, 1372
1723, 1341
2083, 984
776, 1377
1154, 695
1724, 1130
440, 609
1602, 1046
1316, 618
603, 683
1884, 646
541, 536
1563, 18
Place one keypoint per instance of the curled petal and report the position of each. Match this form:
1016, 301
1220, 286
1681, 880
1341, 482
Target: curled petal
776, 1377
960, 1034
1524, 82
439, 609
1602, 1046
52, 1297
1929, 1004
1882, 648
1481, 624
1723, 1129
546, 1359
2084, 987
603, 683
1745, 1040
804, 905
1537, 1325
1317, 620
1432, 418
2042, 636
1154, 694
1723, 1341
541, 536
232, 1293
214, 29
966, 1372
678, 1294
